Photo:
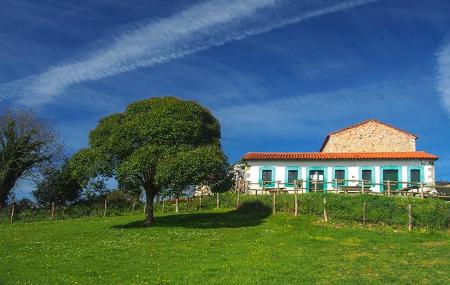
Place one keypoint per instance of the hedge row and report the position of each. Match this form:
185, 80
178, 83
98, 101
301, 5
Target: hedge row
429, 213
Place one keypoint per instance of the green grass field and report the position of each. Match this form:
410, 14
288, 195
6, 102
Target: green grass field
219, 247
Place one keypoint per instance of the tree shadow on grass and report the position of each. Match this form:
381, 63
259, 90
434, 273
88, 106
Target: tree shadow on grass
250, 214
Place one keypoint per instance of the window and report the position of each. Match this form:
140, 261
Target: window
415, 175
266, 177
366, 175
292, 175
340, 176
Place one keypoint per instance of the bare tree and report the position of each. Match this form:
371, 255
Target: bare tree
28, 145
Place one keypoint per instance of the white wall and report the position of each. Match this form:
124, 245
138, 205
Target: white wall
353, 167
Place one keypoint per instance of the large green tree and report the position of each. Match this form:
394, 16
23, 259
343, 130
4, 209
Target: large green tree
58, 186
159, 143
28, 145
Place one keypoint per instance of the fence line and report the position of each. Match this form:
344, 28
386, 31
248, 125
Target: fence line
343, 186
370, 209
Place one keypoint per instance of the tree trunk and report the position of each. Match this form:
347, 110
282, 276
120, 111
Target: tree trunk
6, 186
150, 197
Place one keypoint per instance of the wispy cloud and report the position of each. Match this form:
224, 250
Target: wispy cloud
195, 29
300, 116
443, 59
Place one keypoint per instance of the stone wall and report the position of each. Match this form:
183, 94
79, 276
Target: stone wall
370, 137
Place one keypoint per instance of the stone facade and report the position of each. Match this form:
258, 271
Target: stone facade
370, 136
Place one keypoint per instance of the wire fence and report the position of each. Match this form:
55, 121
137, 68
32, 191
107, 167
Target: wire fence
364, 209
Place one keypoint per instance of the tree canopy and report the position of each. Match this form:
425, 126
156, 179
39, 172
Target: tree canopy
27, 146
58, 186
159, 143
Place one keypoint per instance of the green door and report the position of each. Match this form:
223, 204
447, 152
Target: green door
316, 175
391, 175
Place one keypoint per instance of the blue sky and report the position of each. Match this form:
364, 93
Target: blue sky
278, 74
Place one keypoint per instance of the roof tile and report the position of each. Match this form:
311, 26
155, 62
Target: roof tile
337, 155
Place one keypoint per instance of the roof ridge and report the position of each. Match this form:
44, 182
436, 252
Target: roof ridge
367, 121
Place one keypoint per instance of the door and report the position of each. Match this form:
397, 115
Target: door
366, 175
415, 176
339, 175
292, 176
316, 175
391, 175
267, 178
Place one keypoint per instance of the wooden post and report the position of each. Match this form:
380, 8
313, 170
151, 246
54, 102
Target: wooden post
217, 201
162, 207
52, 217
336, 184
12, 213
145, 206
278, 186
365, 213
389, 188
295, 199
362, 187
134, 206
238, 202
187, 204
325, 214
410, 218
274, 203
315, 185
104, 211
201, 195
176, 205
63, 212
422, 194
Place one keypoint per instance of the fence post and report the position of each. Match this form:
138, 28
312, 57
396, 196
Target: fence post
295, 199
336, 184
52, 217
104, 211
410, 218
145, 206
201, 195
176, 205
63, 212
422, 194
274, 202
362, 187
238, 199
12, 213
325, 214
315, 185
162, 207
389, 188
187, 204
278, 186
217, 201
134, 206
365, 213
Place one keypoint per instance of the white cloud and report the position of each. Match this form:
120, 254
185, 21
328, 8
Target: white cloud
306, 115
197, 28
443, 59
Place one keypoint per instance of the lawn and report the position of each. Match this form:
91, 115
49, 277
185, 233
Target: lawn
219, 247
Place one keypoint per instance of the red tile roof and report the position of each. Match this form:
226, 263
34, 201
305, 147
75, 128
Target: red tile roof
338, 155
362, 123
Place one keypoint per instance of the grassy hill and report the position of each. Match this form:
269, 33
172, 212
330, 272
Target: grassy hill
219, 247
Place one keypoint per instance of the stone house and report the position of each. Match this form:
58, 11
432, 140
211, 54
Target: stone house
370, 152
